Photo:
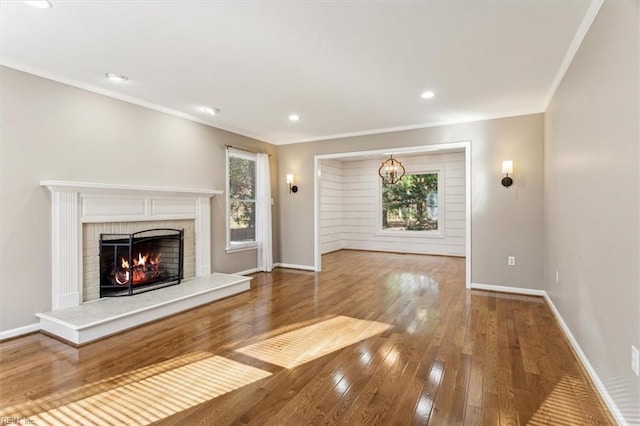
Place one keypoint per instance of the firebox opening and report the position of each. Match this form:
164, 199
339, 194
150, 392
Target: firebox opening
142, 261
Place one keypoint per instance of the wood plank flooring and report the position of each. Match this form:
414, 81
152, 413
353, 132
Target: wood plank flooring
375, 338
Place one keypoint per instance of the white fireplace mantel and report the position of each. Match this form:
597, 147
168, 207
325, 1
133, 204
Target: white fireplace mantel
75, 203
106, 188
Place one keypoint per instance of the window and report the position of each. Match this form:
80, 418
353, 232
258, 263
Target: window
241, 200
412, 204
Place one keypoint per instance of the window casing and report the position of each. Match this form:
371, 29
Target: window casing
241, 201
413, 206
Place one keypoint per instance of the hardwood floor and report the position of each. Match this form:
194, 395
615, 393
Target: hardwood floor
375, 338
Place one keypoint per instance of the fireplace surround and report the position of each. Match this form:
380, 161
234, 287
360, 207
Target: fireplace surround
80, 212
74, 204
91, 248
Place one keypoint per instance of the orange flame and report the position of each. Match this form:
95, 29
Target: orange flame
141, 261
145, 268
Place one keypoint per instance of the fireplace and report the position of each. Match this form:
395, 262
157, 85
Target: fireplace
140, 261
81, 211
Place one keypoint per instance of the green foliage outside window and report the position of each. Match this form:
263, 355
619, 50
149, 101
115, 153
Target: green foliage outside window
411, 204
242, 199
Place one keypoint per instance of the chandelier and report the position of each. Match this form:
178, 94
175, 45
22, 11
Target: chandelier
391, 170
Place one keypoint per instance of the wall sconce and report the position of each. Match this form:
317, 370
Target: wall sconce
507, 167
292, 188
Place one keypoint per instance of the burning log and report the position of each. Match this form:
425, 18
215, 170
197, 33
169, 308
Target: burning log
146, 268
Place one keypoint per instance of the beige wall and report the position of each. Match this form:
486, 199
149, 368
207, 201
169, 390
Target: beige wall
503, 221
53, 131
591, 200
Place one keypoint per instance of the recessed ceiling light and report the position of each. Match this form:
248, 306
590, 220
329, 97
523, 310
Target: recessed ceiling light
116, 77
294, 117
42, 4
427, 95
210, 110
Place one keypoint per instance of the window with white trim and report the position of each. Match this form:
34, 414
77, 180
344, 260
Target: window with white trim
241, 200
412, 204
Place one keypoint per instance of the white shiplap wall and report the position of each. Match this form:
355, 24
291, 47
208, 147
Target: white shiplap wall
331, 215
353, 222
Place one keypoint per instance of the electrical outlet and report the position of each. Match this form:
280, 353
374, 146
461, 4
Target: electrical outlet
557, 277
635, 360
511, 261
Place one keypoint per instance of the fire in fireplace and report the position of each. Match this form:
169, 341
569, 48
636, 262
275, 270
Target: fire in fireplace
145, 270
142, 261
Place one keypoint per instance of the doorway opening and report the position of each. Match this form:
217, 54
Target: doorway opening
352, 204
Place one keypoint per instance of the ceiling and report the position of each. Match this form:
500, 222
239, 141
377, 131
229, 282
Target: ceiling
346, 68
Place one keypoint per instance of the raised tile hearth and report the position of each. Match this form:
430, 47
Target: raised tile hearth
95, 320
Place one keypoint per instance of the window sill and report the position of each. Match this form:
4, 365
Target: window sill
241, 248
410, 234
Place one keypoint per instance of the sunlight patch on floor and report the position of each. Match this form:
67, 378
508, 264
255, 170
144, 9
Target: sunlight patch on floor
297, 347
563, 406
142, 396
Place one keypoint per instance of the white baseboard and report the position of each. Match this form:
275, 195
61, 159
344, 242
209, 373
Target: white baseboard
20, 331
247, 272
613, 408
506, 289
292, 266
